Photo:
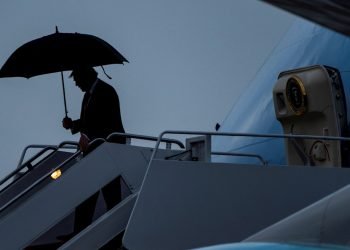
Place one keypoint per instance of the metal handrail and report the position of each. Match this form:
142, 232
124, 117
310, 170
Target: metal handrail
288, 136
14, 199
61, 145
148, 138
241, 154
45, 148
54, 147
66, 144
160, 139
18, 169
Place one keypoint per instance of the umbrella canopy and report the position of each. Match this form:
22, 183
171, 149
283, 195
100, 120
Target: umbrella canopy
59, 52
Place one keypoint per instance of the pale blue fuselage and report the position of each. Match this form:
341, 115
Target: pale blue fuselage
305, 44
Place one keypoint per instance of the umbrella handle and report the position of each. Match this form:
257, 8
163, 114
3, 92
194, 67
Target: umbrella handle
64, 95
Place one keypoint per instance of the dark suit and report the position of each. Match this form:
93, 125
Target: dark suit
100, 113
99, 117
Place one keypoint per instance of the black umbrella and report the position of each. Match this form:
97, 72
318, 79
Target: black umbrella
59, 52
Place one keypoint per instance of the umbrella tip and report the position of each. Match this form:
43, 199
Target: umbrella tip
57, 29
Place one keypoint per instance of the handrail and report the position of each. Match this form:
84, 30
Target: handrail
288, 136
66, 144
20, 162
148, 138
160, 139
18, 169
241, 154
45, 148
61, 145
38, 181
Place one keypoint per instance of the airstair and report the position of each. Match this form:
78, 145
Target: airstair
172, 198
206, 203
38, 200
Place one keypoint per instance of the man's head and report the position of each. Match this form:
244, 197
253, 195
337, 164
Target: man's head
84, 77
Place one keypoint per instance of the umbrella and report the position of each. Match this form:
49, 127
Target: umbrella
59, 52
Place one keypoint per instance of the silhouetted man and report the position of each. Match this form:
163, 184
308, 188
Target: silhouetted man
100, 111
99, 117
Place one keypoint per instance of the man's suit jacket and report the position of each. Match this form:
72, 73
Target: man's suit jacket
100, 113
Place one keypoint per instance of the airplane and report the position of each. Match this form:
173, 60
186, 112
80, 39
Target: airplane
274, 176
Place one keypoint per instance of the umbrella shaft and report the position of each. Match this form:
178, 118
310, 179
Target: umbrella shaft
64, 95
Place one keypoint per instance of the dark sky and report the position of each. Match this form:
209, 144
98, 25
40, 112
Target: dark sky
189, 61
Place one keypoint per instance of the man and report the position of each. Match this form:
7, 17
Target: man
99, 117
100, 111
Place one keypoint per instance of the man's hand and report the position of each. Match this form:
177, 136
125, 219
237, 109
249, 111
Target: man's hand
83, 142
67, 123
